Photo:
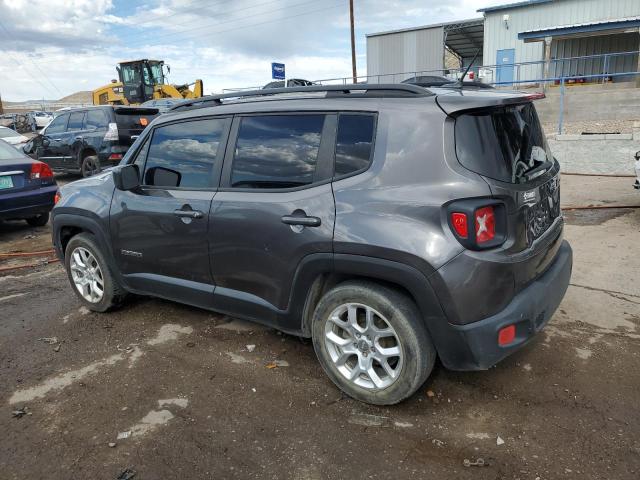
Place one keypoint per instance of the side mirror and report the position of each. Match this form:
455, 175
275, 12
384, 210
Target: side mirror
126, 178
45, 142
637, 155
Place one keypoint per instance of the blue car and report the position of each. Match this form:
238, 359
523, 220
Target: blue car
27, 187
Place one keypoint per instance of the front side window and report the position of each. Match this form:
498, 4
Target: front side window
277, 151
353, 143
75, 121
58, 125
184, 154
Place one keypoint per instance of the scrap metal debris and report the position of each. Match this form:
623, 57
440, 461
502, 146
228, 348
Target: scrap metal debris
19, 413
477, 463
49, 340
123, 435
128, 474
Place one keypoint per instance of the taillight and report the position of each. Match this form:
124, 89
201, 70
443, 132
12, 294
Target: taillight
56, 198
485, 221
40, 170
459, 222
112, 132
478, 223
115, 156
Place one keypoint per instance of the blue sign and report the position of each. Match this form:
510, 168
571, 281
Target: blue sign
277, 71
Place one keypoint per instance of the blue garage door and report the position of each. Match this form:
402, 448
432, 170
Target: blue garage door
505, 73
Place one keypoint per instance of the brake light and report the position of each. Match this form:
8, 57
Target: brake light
506, 335
536, 96
115, 156
56, 198
112, 132
459, 222
40, 170
144, 122
485, 221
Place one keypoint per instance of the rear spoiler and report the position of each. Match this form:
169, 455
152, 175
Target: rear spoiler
452, 103
136, 111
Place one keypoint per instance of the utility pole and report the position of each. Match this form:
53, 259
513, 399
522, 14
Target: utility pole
1, 109
353, 44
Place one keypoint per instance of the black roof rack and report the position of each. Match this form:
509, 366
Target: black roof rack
381, 90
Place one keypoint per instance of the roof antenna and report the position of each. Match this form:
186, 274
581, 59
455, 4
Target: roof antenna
461, 79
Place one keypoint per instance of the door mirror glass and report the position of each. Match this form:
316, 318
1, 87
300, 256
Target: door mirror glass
162, 177
127, 178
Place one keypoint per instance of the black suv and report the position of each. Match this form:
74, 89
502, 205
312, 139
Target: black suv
390, 223
85, 140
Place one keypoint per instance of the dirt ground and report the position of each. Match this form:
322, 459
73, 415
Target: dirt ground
198, 401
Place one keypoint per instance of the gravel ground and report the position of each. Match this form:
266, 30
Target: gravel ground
577, 128
200, 402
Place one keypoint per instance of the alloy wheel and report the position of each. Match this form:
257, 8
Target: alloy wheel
87, 275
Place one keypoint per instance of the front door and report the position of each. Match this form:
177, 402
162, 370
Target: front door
159, 231
274, 208
505, 60
49, 145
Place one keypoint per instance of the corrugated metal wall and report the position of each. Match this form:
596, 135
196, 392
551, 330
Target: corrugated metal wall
546, 15
579, 47
411, 51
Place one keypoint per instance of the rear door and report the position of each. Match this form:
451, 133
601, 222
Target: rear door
49, 147
274, 208
159, 231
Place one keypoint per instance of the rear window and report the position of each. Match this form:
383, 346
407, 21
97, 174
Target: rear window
505, 144
75, 121
353, 143
7, 152
135, 120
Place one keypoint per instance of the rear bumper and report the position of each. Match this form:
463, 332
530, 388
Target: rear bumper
477, 346
27, 204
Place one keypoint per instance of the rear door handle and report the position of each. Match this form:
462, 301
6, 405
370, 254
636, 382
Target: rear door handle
79, 138
188, 213
304, 221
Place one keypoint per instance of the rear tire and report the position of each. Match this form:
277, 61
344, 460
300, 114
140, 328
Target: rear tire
372, 342
90, 276
90, 166
39, 220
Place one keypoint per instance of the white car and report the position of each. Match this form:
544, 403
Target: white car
42, 118
12, 137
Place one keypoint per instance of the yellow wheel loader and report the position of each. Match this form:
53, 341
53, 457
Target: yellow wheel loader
142, 80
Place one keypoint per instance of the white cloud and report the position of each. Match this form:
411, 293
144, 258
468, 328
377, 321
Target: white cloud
64, 46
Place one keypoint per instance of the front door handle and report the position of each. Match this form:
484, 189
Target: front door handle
188, 213
79, 138
303, 221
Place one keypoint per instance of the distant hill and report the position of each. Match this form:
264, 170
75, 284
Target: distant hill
78, 97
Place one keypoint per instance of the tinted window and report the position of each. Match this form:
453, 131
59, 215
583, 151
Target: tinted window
58, 124
184, 154
95, 119
353, 143
502, 143
277, 151
75, 121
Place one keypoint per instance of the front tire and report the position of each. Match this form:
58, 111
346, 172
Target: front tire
90, 166
372, 342
90, 275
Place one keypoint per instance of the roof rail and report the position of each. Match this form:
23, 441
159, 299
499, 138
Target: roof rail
381, 90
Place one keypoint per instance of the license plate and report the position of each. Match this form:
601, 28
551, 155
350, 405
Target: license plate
6, 182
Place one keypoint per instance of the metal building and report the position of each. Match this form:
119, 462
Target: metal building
396, 55
522, 41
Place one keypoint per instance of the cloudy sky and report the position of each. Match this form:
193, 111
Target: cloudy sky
52, 48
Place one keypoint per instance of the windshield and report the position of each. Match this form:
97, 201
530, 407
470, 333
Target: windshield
505, 143
130, 73
156, 73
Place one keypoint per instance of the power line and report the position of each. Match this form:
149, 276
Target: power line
8, 34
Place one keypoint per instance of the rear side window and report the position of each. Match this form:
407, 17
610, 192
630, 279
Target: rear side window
95, 119
135, 120
184, 154
76, 120
353, 143
277, 151
502, 143
58, 124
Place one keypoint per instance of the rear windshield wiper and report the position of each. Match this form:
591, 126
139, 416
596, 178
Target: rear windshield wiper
535, 172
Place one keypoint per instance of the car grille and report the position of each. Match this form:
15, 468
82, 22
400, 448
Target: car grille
540, 216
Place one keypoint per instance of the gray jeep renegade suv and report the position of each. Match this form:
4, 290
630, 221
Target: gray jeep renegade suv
392, 224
